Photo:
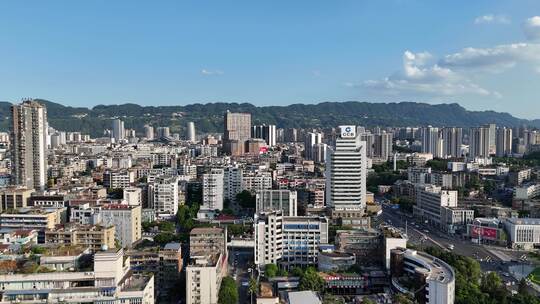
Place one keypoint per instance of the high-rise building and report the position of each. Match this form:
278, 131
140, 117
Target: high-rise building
29, 144
452, 140
370, 143
191, 135
280, 200
237, 130
492, 140
504, 141
212, 190
383, 145
310, 140
118, 130
126, 220
163, 196
479, 142
266, 132
290, 135
430, 140
346, 172
163, 132
148, 132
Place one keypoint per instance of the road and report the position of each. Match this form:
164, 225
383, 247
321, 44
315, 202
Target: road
240, 261
491, 258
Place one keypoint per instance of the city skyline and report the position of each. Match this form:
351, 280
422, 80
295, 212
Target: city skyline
484, 57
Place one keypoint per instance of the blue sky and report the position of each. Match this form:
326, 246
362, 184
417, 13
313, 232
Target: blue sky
481, 54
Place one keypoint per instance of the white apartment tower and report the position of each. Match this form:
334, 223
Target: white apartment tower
452, 140
163, 196
311, 140
191, 135
504, 141
148, 132
118, 130
212, 190
29, 144
346, 172
479, 142
430, 140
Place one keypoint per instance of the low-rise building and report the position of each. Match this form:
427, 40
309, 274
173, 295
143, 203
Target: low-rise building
88, 236
524, 233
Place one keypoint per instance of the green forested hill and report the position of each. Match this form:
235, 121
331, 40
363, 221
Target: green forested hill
209, 117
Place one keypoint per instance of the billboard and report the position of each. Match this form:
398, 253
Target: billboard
263, 150
483, 232
348, 131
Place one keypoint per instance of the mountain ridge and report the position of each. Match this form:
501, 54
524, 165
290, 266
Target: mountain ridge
209, 117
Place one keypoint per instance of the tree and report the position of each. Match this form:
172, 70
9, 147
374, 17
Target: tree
253, 287
166, 226
270, 270
522, 286
228, 294
246, 199
297, 272
311, 280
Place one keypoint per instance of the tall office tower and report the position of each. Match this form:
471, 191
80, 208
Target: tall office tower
311, 139
383, 145
290, 135
370, 143
504, 141
118, 131
191, 135
452, 140
492, 135
29, 144
479, 142
148, 132
163, 132
346, 172
212, 190
266, 132
237, 130
163, 196
430, 140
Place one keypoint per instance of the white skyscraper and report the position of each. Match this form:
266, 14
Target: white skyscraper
191, 135
311, 140
430, 140
212, 190
29, 144
148, 132
479, 139
118, 131
504, 141
346, 172
452, 140
163, 196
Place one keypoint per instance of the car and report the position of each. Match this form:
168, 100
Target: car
426, 231
245, 283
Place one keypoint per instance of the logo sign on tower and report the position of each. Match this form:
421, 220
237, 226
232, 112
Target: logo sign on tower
348, 131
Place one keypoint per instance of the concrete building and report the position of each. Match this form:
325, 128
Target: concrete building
36, 218
163, 132
133, 196
454, 219
524, 233
382, 146
29, 145
452, 141
266, 132
504, 141
430, 200
237, 130
346, 168
430, 280
111, 281
118, 179
311, 139
290, 241
14, 198
212, 191
163, 196
88, 236
126, 220
430, 141
479, 142
191, 134
335, 261
148, 132
274, 200
232, 182
207, 265
118, 130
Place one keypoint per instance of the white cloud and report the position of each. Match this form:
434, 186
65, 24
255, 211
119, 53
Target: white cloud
211, 72
531, 27
491, 18
493, 59
419, 76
